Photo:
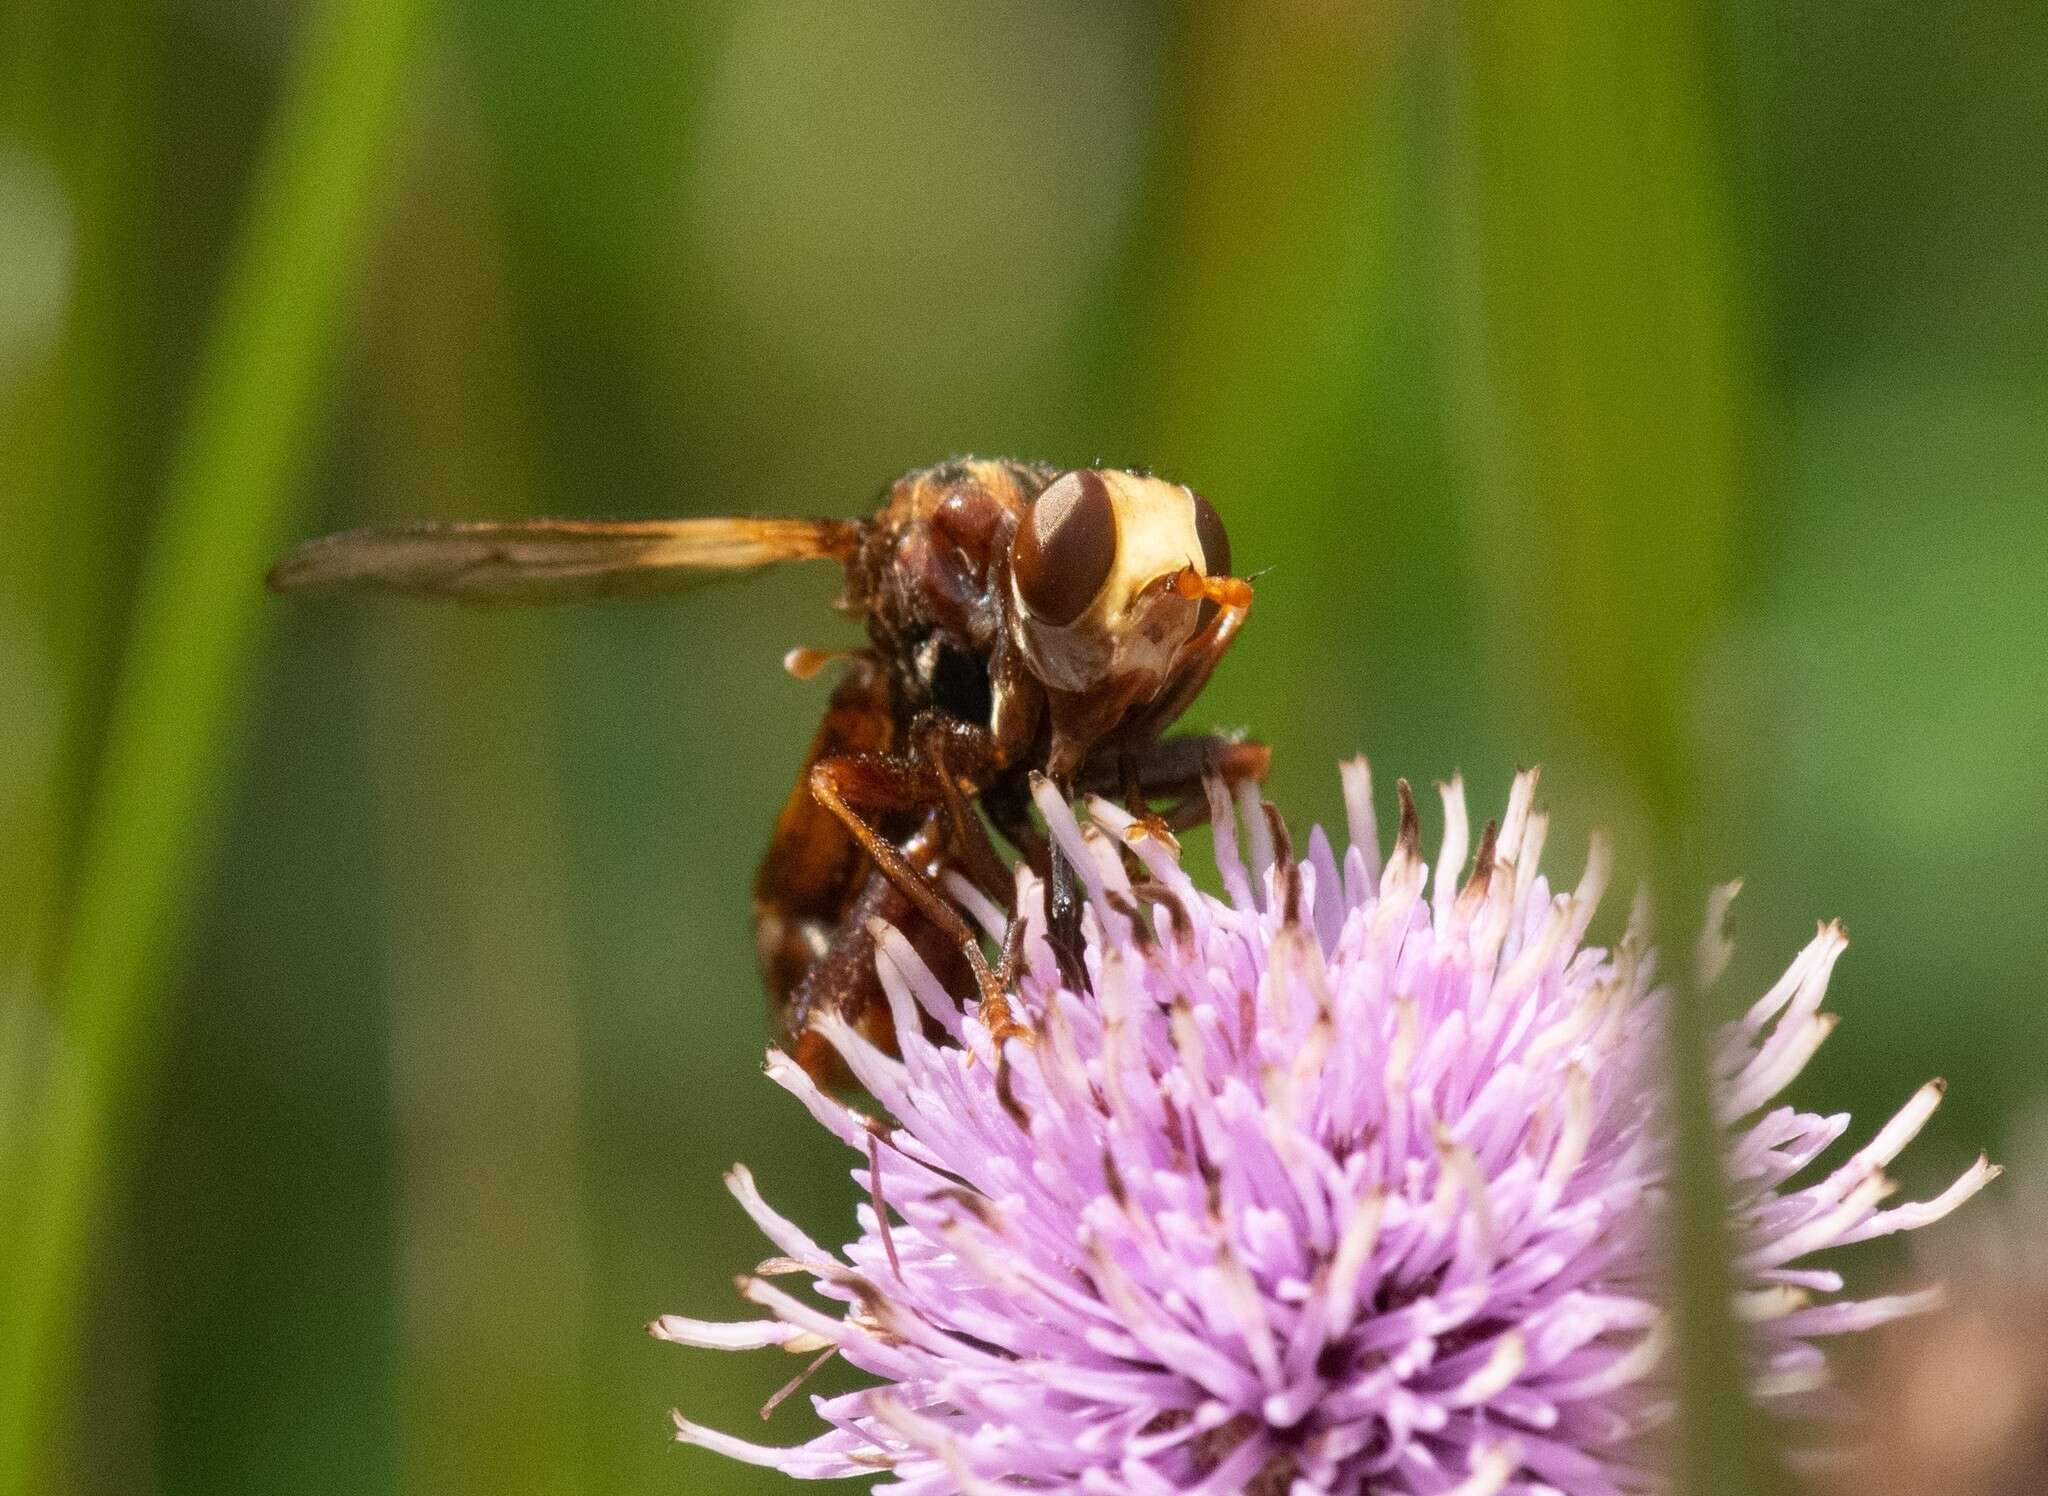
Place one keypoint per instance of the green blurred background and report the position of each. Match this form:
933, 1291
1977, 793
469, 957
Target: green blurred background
1654, 391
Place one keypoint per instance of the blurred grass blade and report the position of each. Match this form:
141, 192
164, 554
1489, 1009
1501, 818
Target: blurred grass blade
194, 625
1602, 385
75, 82
465, 711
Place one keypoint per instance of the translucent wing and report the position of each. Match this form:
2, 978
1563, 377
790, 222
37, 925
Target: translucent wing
555, 560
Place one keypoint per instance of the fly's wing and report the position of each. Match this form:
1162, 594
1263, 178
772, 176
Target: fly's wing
555, 560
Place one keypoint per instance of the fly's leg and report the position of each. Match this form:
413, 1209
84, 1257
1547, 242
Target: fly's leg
1063, 919
957, 749
843, 978
884, 783
1176, 770
1139, 804
981, 862
813, 873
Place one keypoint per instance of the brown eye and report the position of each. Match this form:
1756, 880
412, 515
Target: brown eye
1065, 548
1209, 530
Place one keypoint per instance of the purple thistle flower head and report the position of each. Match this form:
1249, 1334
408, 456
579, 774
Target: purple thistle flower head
1348, 1181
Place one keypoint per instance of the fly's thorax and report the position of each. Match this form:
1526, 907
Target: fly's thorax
940, 546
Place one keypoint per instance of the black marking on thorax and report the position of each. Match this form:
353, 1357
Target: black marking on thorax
954, 680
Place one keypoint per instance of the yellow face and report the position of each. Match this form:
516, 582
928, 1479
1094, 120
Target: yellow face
1108, 571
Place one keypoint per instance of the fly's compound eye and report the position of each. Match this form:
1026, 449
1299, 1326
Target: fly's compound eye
1065, 549
1215, 539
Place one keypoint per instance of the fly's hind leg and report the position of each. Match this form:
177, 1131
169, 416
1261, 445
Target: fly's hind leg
809, 889
843, 978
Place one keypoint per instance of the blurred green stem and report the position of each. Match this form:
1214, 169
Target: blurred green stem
1601, 385
194, 626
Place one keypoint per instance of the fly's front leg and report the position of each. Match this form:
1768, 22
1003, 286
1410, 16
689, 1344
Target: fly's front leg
1063, 918
963, 756
1008, 804
811, 878
966, 757
1139, 804
881, 783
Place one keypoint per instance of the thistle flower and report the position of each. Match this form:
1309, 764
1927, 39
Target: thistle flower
1348, 1181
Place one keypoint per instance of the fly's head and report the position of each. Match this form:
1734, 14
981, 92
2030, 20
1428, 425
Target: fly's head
1116, 580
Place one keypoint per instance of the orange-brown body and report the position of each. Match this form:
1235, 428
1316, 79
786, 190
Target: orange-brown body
928, 575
